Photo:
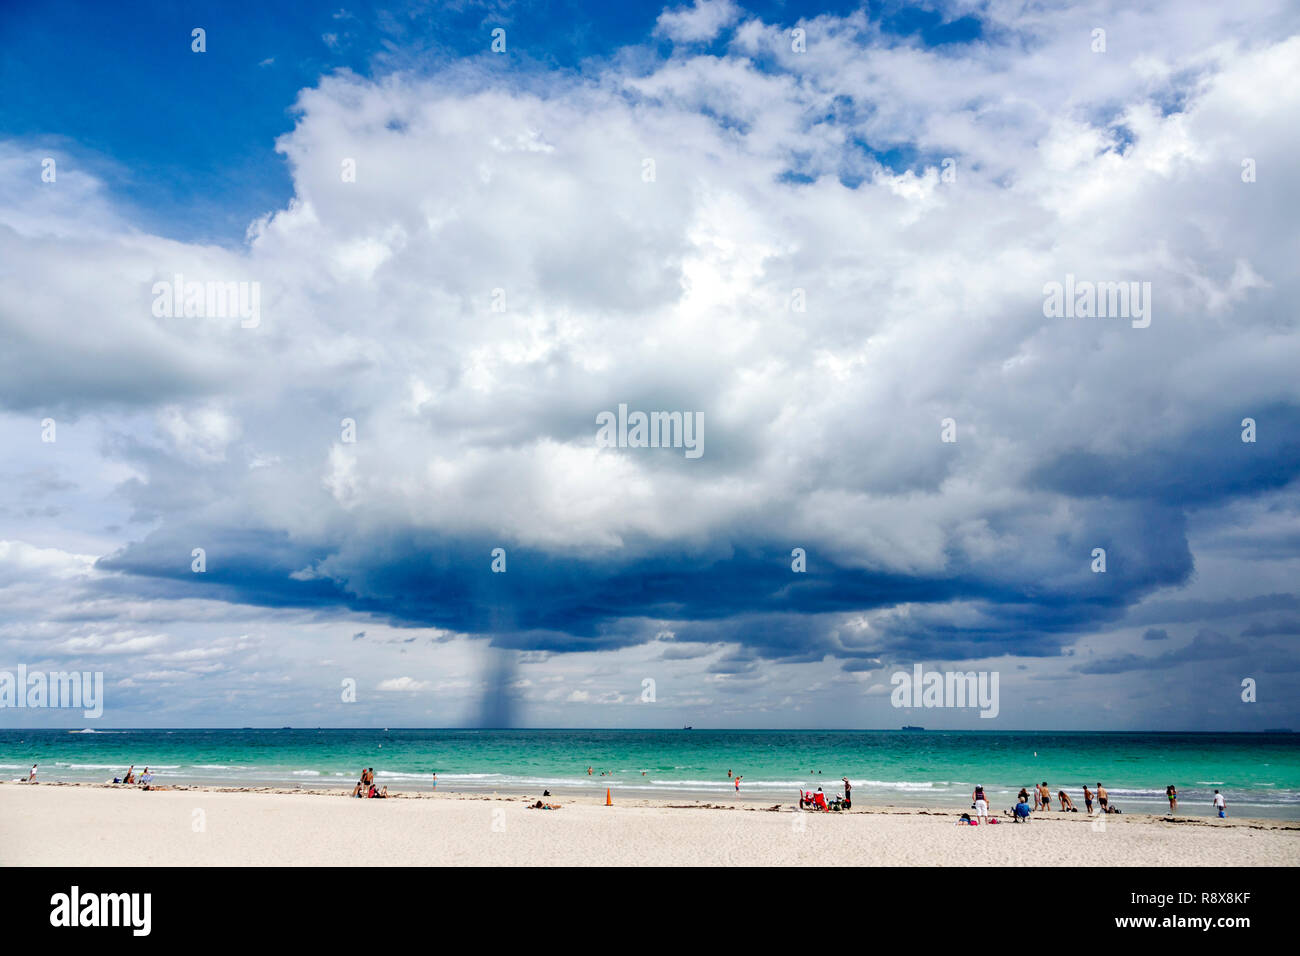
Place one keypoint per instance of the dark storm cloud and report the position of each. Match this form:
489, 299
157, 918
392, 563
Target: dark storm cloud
565, 604
1207, 645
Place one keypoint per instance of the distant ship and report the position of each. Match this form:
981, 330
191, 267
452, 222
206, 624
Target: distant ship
909, 727
688, 727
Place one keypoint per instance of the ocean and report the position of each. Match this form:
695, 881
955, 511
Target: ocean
1258, 773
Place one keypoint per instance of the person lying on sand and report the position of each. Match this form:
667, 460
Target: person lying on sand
543, 806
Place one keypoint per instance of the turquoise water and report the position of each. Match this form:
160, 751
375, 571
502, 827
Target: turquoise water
1258, 773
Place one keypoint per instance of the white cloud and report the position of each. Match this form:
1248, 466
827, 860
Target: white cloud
402, 685
701, 21
923, 302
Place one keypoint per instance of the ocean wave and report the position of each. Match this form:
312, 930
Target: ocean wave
118, 766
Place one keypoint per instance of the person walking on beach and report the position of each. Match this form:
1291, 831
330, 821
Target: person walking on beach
1087, 798
31, 777
738, 779
981, 804
1102, 799
1172, 793
1219, 803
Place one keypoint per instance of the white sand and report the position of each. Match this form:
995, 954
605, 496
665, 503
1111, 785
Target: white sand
86, 825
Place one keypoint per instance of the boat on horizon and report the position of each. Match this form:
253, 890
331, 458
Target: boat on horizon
910, 727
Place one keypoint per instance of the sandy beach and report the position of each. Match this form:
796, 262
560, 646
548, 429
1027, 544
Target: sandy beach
95, 825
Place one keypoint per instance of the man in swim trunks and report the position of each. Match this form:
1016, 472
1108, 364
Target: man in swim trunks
1064, 799
1102, 799
1087, 798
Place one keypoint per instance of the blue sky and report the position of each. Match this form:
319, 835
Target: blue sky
188, 141
837, 249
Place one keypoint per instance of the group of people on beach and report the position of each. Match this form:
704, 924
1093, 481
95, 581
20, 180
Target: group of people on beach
366, 786
817, 800
1042, 796
1043, 801
144, 782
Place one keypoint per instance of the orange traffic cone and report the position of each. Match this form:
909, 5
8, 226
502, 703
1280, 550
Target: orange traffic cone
608, 801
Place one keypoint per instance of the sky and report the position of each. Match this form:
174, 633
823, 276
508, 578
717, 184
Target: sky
827, 233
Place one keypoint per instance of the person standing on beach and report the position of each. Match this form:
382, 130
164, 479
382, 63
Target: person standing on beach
981, 804
1087, 798
31, 777
1172, 793
1045, 795
848, 791
737, 783
1102, 799
435, 781
1219, 803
